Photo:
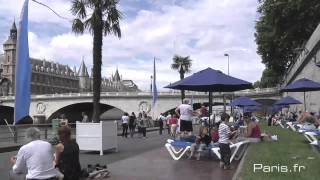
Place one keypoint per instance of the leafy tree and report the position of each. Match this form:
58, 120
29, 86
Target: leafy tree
256, 84
99, 17
269, 79
284, 26
182, 65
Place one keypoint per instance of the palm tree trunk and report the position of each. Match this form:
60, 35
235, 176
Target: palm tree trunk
182, 91
97, 62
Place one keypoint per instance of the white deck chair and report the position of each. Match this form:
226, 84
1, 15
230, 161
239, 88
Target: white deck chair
176, 154
174, 150
290, 125
234, 150
316, 143
310, 136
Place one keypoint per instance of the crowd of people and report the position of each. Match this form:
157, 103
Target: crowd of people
36, 159
305, 120
221, 133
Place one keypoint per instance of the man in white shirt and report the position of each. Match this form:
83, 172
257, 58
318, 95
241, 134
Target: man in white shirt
185, 111
35, 158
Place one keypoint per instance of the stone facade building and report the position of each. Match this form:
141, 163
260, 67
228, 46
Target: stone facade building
49, 77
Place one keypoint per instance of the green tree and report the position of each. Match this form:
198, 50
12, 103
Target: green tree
269, 79
256, 84
99, 17
182, 65
282, 28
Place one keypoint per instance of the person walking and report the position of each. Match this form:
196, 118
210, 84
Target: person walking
139, 119
173, 122
161, 120
143, 125
132, 123
168, 117
125, 120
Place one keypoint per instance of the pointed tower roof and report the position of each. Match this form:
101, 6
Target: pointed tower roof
83, 72
117, 76
13, 27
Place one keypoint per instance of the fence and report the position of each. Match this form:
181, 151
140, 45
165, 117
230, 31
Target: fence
16, 133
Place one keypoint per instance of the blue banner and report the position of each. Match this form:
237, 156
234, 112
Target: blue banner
154, 85
23, 68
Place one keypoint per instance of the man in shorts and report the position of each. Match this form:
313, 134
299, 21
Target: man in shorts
185, 111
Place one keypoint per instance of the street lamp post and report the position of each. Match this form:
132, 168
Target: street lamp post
151, 84
224, 98
228, 62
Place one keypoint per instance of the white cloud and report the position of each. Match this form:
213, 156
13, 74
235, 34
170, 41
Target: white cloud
203, 29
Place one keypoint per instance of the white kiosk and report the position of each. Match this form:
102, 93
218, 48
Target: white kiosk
97, 136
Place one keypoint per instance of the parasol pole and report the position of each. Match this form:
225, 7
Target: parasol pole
210, 109
304, 100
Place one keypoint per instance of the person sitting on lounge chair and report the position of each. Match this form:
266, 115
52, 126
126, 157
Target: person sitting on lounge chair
201, 142
309, 121
253, 128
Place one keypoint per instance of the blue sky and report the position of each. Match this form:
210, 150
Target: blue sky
203, 29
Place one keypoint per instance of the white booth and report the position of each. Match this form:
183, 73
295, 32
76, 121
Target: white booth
97, 136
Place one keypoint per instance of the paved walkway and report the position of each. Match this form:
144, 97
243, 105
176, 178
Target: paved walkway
144, 159
158, 165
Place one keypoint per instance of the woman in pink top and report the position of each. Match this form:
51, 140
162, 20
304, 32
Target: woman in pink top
173, 121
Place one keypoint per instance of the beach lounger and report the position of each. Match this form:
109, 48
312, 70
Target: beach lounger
290, 125
235, 153
316, 143
311, 135
177, 149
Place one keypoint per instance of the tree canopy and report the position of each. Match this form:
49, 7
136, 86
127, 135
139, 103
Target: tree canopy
282, 28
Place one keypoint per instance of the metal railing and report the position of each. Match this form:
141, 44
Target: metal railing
172, 93
16, 133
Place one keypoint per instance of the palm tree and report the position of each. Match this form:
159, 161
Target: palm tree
99, 17
182, 65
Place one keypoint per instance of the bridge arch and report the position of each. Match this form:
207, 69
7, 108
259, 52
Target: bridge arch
73, 111
6, 112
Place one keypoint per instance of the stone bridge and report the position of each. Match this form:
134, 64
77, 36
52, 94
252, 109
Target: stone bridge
50, 106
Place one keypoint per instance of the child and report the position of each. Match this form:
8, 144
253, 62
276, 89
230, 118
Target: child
201, 142
173, 121
224, 135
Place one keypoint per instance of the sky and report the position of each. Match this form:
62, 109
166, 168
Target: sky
205, 30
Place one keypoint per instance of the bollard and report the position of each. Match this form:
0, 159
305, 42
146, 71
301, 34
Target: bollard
46, 132
15, 135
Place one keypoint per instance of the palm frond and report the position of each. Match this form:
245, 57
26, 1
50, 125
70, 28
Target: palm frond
113, 16
88, 25
185, 62
77, 26
78, 8
175, 66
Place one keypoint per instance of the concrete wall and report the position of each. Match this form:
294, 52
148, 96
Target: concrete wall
305, 67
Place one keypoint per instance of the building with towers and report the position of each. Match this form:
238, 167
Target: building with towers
49, 77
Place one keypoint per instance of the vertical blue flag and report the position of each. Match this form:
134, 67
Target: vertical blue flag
154, 85
23, 68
